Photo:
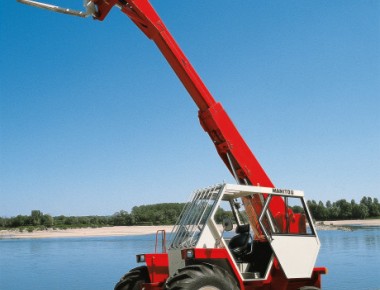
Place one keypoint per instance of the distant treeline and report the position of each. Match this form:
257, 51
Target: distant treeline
344, 210
157, 214
168, 213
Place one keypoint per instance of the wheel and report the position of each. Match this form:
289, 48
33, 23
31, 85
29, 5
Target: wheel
201, 277
133, 279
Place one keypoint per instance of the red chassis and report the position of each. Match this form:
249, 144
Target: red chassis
158, 265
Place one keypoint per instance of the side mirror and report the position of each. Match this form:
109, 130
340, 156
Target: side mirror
227, 224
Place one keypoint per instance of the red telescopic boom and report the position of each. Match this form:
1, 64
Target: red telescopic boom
229, 144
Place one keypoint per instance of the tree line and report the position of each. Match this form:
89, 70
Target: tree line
157, 214
168, 213
343, 210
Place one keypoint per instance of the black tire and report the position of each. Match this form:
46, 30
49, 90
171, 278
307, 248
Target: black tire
133, 279
201, 277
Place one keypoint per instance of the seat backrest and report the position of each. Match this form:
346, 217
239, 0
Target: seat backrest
242, 229
238, 244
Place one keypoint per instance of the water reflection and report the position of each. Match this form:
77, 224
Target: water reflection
351, 257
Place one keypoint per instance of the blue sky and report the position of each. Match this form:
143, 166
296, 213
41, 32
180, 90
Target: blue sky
93, 120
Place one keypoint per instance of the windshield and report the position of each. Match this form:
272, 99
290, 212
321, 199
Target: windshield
194, 217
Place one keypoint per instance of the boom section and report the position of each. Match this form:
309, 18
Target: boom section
231, 147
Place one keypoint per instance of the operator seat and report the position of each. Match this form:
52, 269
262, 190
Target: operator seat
239, 245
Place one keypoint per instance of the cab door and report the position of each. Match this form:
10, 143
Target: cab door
292, 236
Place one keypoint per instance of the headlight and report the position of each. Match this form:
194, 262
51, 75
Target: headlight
189, 254
140, 258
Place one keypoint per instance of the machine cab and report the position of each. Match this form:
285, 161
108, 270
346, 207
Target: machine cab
252, 235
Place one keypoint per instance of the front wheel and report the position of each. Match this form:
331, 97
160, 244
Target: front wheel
133, 279
201, 277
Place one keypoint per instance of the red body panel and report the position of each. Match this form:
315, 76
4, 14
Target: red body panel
158, 267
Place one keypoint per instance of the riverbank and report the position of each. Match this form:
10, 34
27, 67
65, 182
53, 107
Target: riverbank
84, 232
146, 230
346, 225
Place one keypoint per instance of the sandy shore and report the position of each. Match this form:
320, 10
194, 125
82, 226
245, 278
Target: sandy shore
145, 230
84, 232
346, 224
374, 222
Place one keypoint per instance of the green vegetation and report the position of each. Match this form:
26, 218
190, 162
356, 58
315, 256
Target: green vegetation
158, 214
168, 213
344, 210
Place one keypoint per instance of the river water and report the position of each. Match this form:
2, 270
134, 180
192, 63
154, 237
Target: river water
352, 258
